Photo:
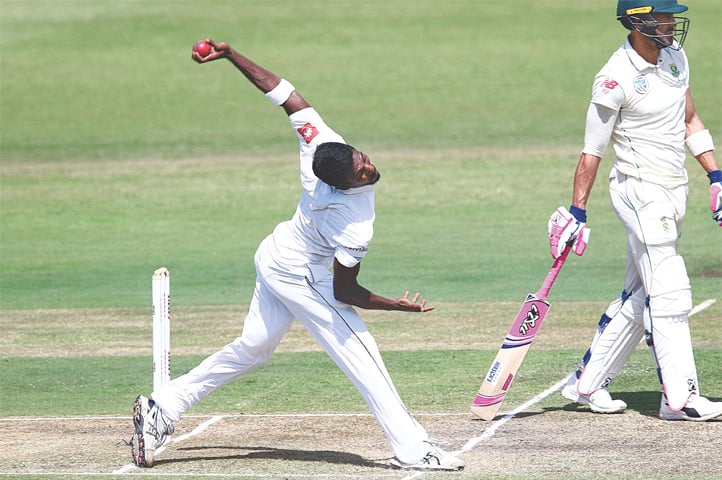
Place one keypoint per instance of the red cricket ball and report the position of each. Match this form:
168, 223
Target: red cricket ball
203, 48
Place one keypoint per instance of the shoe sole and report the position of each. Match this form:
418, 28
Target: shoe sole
141, 457
426, 468
607, 410
620, 406
402, 466
687, 418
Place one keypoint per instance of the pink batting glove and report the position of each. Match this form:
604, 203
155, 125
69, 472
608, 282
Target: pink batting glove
564, 229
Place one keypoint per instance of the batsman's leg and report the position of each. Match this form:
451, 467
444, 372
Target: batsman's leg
669, 339
655, 225
609, 354
570, 389
625, 313
628, 306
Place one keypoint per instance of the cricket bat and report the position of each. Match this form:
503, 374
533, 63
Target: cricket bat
517, 342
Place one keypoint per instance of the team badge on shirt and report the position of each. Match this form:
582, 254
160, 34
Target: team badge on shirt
641, 86
308, 132
673, 68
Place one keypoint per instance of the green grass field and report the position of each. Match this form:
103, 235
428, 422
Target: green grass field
119, 154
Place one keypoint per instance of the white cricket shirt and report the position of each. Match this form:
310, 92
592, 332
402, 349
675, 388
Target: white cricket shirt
648, 136
328, 222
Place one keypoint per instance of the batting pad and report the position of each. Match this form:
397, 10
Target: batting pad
670, 293
675, 359
613, 346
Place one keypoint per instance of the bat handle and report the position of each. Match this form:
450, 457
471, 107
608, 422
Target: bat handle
543, 292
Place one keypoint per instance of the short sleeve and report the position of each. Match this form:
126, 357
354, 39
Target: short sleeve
349, 257
607, 92
311, 131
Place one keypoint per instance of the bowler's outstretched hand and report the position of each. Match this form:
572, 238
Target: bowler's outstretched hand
412, 304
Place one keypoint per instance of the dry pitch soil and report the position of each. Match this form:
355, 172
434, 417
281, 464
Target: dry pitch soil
539, 443
558, 440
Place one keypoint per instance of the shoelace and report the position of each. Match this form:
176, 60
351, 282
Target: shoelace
155, 417
429, 456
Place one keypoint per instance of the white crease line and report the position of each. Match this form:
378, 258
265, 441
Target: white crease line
125, 469
470, 444
707, 303
489, 432
199, 429
276, 476
232, 415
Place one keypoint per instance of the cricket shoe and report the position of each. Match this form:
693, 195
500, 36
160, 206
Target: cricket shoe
152, 429
599, 401
698, 409
435, 459
569, 390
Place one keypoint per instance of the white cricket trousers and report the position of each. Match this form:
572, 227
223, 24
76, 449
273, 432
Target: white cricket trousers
657, 278
278, 299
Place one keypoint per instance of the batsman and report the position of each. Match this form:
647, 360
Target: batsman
641, 100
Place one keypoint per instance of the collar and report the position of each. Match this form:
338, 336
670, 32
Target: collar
636, 59
355, 190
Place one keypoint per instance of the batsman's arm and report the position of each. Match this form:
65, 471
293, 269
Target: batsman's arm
598, 129
697, 137
700, 144
346, 289
584, 177
569, 227
265, 80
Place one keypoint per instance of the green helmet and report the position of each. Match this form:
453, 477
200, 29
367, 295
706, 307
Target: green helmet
639, 15
631, 7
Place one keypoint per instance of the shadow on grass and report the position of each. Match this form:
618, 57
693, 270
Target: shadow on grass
271, 453
645, 403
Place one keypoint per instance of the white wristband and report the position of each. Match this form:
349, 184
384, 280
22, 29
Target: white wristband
699, 142
280, 94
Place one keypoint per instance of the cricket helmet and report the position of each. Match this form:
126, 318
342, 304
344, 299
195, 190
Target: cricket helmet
639, 15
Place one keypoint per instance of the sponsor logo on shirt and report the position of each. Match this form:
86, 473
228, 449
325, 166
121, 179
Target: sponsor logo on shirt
641, 86
308, 132
609, 85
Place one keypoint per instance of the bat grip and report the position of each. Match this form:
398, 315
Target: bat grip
543, 292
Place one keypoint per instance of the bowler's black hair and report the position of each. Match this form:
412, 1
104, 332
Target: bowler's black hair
333, 163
